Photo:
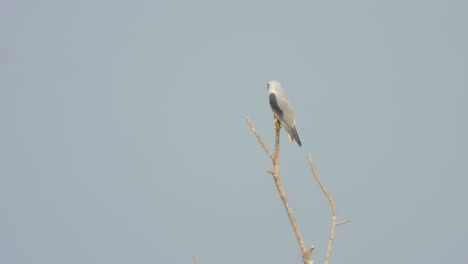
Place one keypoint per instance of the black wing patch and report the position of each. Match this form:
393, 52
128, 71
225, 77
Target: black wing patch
274, 105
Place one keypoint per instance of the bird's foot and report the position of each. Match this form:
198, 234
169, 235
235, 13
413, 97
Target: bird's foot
277, 124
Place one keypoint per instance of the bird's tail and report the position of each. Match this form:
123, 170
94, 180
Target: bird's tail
294, 136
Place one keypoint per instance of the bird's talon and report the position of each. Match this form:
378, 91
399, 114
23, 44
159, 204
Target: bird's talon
277, 124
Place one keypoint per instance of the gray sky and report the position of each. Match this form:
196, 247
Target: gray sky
124, 140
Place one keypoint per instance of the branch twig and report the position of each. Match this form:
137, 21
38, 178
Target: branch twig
265, 147
195, 260
343, 222
333, 206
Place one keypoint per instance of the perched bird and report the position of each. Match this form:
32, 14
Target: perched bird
283, 110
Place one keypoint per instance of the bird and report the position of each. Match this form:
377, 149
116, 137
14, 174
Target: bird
282, 110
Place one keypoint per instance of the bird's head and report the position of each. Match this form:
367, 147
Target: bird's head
274, 87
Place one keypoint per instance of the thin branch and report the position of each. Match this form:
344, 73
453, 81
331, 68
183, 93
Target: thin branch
343, 222
195, 260
275, 172
265, 147
333, 206
276, 155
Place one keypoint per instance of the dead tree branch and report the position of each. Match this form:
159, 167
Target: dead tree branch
275, 172
265, 147
333, 207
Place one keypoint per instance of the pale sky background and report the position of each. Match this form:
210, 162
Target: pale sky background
123, 136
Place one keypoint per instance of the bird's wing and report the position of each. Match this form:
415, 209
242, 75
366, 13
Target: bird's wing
277, 110
282, 109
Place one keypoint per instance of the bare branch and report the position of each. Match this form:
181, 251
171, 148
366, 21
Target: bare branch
333, 206
343, 222
275, 172
195, 260
265, 147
